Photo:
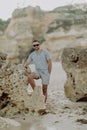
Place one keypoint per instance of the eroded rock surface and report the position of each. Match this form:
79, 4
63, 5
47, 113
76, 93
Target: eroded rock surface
14, 98
58, 28
74, 61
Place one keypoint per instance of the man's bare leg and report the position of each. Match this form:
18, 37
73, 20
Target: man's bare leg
44, 89
31, 77
31, 80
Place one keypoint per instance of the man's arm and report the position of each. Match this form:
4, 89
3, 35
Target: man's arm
27, 66
49, 65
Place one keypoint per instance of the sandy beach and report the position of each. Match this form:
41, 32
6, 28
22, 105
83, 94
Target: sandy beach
61, 113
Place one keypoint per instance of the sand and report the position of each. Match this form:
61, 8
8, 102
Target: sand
62, 114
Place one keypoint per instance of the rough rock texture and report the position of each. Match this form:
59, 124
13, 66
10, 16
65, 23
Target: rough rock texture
14, 98
2, 59
74, 61
55, 29
6, 122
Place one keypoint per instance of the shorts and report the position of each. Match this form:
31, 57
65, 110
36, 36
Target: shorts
44, 75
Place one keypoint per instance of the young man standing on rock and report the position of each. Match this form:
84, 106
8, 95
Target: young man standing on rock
43, 66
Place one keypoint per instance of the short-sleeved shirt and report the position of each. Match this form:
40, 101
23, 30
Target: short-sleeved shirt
40, 59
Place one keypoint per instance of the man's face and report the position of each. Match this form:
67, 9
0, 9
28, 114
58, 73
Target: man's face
36, 45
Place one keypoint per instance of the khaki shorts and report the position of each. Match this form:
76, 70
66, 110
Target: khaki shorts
44, 75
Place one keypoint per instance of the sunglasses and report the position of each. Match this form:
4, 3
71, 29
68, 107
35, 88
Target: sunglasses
36, 45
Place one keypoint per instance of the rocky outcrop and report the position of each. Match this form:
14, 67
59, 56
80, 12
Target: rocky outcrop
14, 98
74, 61
57, 28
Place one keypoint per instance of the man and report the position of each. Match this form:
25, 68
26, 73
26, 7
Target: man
43, 66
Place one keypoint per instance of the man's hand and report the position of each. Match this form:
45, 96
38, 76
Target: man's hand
27, 67
26, 64
28, 70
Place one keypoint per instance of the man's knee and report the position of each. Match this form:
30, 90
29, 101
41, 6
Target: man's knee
30, 76
33, 76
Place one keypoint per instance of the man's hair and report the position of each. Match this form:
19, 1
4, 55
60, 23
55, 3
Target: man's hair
35, 41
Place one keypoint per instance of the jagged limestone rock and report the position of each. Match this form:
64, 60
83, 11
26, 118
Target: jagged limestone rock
74, 61
57, 28
6, 122
2, 59
14, 98
36, 102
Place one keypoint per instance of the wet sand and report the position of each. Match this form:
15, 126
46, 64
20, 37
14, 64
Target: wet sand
62, 114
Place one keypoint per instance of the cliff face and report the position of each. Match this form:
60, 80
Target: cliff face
58, 28
74, 61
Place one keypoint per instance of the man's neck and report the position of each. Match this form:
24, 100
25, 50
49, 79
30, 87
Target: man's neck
38, 51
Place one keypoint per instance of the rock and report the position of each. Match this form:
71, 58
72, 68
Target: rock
82, 121
14, 98
57, 28
6, 122
2, 59
38, 103
74, 62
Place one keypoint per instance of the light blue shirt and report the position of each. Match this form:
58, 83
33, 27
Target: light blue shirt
40, 59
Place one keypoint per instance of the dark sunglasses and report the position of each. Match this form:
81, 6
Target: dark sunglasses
36, 45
